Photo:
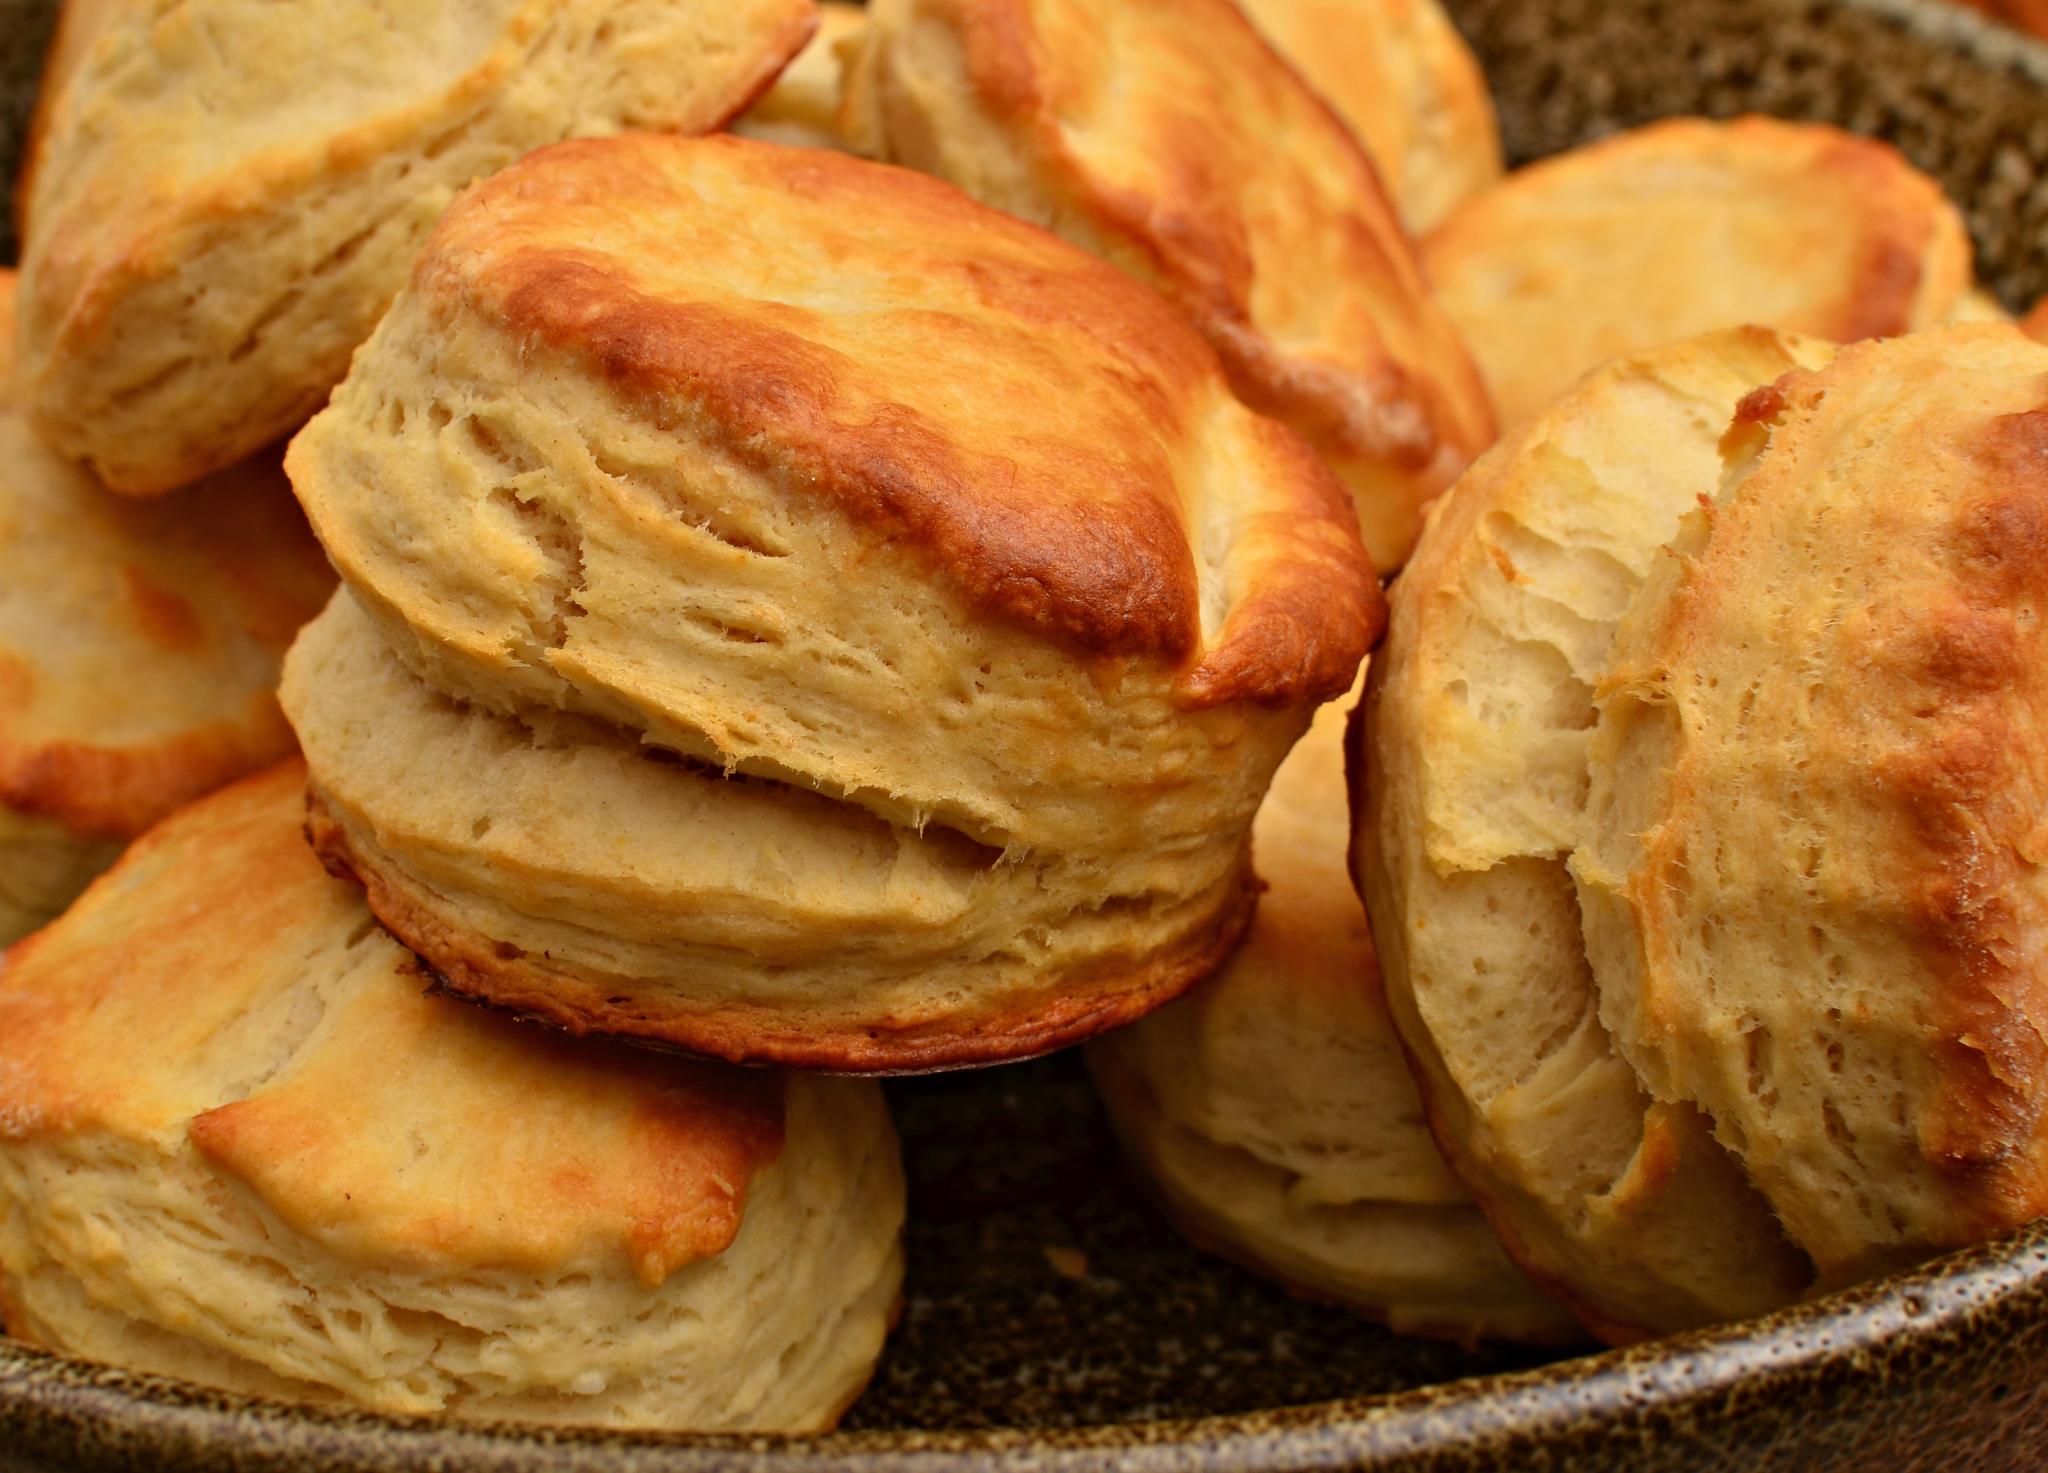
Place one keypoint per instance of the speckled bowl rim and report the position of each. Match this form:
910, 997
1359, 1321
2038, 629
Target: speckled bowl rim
1788, 1355
1794, 1354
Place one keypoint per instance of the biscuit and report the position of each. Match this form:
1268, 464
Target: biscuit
1401, 76
1475, 744
240, 1145
1977, 305
1685, 226
1272, 1109
1811, 871
139, 651
226, 193
1150, 133
802, 108
919, 570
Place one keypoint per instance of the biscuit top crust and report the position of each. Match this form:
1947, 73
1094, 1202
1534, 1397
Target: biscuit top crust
219, 986
1146, 131
1047, 434
1815, 889
1688, 226
1401, 76
139, 643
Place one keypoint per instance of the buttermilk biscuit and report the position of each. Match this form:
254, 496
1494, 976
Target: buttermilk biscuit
139, 651
1477, 733
885, 613
802, 108
1811, 872
1170, 139
240, 1145
225, 194
1400, 74
1686, 226
1273, 1112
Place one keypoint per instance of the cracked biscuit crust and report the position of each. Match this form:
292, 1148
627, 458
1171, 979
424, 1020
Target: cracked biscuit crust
815, 473
1146, 132
630, 1240
225, 194
1475, 744
1812, 876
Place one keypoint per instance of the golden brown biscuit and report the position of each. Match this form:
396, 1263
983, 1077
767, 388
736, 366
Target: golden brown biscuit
1400, 74
139, 651
947, 541
802, 108
1150, 133
226, 193
1476, 730
240, 1145
1685, 226
1812, 871
1274, 1113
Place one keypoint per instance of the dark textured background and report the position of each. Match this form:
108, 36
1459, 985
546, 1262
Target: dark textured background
24, 33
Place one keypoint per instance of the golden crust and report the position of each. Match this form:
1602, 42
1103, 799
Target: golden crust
653, 1154
948, 542
1084, 539
1143, 132
139, 645
1685, 226
1401, 76
212, 228
328, 1183
1814, 886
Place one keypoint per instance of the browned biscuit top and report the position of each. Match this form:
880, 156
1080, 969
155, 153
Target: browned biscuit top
139, 644
295, 1046
1824, 765
1049, 435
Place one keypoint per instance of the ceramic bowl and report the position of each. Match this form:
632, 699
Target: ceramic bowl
1053, 1323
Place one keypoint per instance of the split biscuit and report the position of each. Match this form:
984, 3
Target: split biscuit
920, 571
240, 1145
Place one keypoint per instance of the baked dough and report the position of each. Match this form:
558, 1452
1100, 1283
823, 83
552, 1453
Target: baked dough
1815, 903
1400, 74
1711, 912
1477, 727
918, 569
1273, 1112
1167, 137
802, 108
239, 1144
1685, 226
139, 651
226, 193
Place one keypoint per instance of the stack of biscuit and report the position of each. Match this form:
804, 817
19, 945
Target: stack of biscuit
882, 588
